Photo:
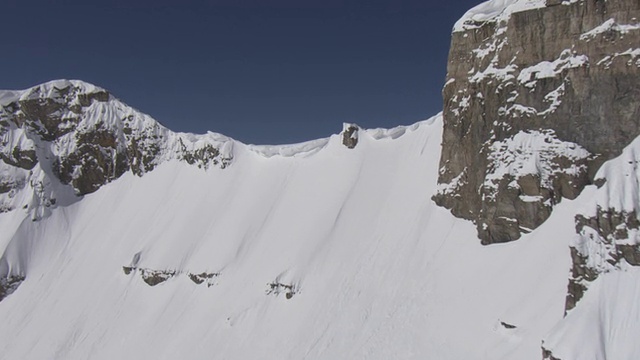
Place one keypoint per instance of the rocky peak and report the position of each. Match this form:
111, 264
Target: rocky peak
538, 95
53, 109
67, 138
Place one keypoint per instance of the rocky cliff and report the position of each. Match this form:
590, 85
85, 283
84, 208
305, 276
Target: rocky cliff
65, 139
538, 95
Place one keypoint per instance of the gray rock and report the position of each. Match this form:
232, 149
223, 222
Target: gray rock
9, 284
544, 70
609, 231
350, 136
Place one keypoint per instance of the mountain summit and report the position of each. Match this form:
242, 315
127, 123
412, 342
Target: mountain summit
66, 137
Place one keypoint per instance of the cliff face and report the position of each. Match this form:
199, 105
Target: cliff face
538, 95
64, 139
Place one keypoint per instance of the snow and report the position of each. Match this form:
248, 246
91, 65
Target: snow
609, 25
632, 53
501, 74
9, 96
606, 323
379, 271
532, 153
621, 191
48, 89
302, 149
549, 69
497, 11
494, 11
554, 98
305, 251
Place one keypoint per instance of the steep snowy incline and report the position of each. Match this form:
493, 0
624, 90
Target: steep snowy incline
337, 254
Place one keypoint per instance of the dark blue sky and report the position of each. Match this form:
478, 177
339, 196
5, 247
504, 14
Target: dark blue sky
260, 71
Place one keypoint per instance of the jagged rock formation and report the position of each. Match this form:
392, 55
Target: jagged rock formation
538, 96
65, 139
350, 135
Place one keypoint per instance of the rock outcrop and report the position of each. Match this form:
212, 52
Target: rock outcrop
608, 230
9, 284
350, 135
538, 96
65, 139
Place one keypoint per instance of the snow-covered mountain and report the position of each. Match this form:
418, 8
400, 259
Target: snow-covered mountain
69, 137
123, 239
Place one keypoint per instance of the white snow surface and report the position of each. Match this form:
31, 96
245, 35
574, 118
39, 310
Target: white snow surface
546, 69
609, 25
606, 323
532, 153
497, 11
379, 270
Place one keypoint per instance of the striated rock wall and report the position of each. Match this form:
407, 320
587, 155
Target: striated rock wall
536, 99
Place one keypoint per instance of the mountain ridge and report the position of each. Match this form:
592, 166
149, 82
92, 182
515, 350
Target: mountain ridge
124, 239
70, 136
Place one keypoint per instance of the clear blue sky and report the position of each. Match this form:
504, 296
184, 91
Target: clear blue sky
260, 71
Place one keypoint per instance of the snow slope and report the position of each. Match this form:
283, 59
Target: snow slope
605, 324
373, 268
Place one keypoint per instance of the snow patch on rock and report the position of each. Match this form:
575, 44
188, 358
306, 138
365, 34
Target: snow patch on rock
532, 152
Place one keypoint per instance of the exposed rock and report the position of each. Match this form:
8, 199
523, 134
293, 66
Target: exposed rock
9, 284
604, 241
155, 277
203, 156
204, 277
25, 159
548, 355
87, 98
570, 71
75, 134
350, 135
98, 160
277, 288
507, 325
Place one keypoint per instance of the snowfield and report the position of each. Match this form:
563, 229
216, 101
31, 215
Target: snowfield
318, 252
